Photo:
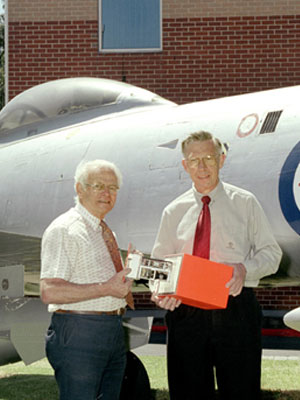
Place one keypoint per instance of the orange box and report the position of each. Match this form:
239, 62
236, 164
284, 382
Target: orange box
200, 282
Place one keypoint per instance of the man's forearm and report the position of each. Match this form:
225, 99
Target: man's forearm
59, 291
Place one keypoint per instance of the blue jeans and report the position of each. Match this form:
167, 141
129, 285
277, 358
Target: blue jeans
88, 355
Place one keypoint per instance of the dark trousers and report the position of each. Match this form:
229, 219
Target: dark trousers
88, 355
227, 341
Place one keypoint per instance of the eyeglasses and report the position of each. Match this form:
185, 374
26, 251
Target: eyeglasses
101, 187
209, 160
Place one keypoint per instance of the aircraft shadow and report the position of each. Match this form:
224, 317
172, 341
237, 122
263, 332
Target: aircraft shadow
280, 395
43, 387
266, 395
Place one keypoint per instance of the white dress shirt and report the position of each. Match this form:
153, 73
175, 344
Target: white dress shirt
73, 249
240, 231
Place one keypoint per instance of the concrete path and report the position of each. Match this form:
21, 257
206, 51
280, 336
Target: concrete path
160, 350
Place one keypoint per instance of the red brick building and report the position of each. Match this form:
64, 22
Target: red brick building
209, 49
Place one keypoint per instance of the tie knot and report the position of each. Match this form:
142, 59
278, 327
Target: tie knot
103, 225
206, 199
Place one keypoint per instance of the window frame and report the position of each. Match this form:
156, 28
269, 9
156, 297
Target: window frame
128, 50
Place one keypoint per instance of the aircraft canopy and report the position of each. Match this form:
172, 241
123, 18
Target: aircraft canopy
72, 95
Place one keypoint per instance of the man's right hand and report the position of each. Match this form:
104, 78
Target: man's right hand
118, 286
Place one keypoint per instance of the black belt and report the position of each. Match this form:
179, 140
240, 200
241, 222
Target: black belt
119, 311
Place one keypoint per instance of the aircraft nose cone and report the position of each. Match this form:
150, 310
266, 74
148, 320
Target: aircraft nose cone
292, 319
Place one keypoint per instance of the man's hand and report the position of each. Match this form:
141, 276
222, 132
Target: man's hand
236, 283
118, 286
168, 303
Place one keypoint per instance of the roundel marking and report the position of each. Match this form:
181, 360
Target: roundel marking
289, 189
247, 125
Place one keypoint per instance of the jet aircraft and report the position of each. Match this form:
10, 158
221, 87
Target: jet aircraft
47, 130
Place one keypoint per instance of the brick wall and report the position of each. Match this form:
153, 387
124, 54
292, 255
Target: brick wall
281, 298
142, 300
202, 57
51, 10
228, 8
56, 10
210, 49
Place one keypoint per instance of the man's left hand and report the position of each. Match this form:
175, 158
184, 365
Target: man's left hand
236, 283
168, 303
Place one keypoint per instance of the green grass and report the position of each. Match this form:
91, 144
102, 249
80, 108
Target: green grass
280, 380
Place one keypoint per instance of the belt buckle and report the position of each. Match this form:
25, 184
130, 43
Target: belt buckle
120, 311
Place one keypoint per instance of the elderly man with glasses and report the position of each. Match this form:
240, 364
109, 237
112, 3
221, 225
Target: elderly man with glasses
226, 224
85, 285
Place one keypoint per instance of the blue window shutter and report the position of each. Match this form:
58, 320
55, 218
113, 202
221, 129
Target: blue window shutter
131, 24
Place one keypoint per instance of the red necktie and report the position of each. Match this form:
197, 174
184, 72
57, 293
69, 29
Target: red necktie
202, 234
112, 247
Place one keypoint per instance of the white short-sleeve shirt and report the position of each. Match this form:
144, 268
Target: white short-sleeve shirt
73, 249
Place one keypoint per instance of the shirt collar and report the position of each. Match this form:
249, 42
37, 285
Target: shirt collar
93, 221
214, 194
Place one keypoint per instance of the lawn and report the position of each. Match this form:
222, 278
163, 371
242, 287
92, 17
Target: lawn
280, 380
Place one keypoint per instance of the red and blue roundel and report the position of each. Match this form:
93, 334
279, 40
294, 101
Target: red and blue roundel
289, 189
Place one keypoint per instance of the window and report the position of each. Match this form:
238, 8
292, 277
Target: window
130, 25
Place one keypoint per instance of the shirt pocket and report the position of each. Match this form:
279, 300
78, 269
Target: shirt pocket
229, 242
